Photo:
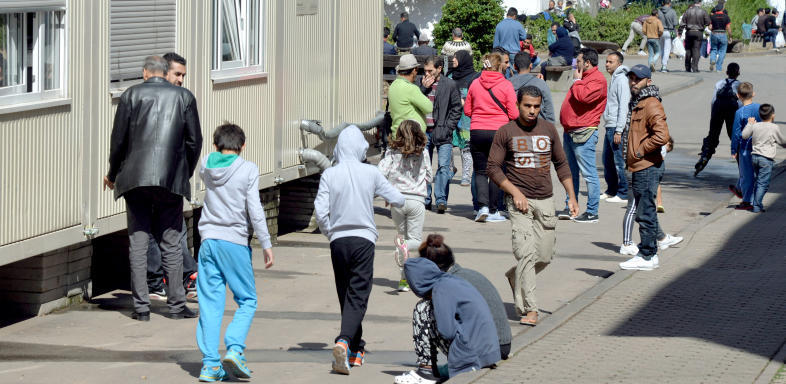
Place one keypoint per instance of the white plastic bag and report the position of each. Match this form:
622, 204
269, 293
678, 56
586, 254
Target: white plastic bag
678, 47
779, 42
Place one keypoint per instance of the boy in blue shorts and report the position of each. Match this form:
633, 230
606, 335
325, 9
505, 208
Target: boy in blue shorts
232, 206
741, 149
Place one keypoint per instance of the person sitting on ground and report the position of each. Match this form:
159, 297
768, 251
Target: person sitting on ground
457, 44
764, 136
423, 326
423, 49
571, 25
561, 52
522, 65
526, 46
463, 325
551, 38
387, 48
772, 29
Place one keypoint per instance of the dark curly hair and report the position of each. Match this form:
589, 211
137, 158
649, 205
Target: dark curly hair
435, 249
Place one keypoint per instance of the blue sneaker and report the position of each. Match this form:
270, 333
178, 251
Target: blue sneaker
236, 363
212, 374
356, 359
341, 356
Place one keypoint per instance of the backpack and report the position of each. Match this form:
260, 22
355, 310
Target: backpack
726, 98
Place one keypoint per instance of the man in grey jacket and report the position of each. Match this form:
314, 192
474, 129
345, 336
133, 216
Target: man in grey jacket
615, 117
669, 20
522, 64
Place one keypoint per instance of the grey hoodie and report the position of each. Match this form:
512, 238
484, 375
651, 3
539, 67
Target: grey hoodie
668, 17
461, 314
345, 201
232, 203
616, 112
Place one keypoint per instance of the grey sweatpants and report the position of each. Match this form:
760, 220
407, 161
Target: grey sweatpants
156, 209
635, 29
409, 224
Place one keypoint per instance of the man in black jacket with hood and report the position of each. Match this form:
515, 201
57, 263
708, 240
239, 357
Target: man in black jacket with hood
440, 124
405, 33
154, 149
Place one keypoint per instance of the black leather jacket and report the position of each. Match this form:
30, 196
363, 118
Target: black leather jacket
447, 110
156, 138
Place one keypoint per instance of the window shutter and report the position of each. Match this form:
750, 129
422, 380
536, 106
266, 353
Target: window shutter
12, 6
139, 28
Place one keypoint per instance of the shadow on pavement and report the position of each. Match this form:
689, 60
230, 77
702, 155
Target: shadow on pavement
735, 298
596, 272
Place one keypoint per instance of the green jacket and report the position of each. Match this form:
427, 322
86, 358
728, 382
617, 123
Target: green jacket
406, 101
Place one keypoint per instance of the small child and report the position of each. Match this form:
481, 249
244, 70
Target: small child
232, 205
407, 166
764, 136
344, 208
741, 148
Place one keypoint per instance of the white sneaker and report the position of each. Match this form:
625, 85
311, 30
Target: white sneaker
604, 196
483, 213
668, 241
638, 263
412, 377
496, 217
642, 53
631, 250
616, 199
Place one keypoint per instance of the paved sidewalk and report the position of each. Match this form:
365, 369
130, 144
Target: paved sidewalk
713, 312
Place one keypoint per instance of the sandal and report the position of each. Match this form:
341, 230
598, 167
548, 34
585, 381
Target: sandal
526, 321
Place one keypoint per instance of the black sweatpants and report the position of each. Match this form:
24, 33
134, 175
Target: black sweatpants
353, 269
718, 117
480, 145
692, 48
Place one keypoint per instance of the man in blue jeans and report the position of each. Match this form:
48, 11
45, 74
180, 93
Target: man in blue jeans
508, 34
615, 117
645, 134
440, 123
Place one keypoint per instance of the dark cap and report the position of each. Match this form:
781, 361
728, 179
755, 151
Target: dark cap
641, 71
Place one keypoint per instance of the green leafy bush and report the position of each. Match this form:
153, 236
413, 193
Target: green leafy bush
742, 11
477, 18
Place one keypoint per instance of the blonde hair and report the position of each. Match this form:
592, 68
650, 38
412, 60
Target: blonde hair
493, 62
410, 139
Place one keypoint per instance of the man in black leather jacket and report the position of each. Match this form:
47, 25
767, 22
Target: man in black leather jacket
154, 149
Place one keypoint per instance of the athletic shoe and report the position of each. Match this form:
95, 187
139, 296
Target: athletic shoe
464, 183
668, 241
483, 213
419, 376
703, 160
616, 199
441, 207
712, 66
736, 191
660, 209
642, 53
428, 206
564, 214
237, 364
159, 295
664, 70
341, 363
401, 253
638, 263
190, 286
356, 359
496, 217
211, 374
585, 217
141, 316
184, 313
605, 196
403, 286
744, 206
630, 249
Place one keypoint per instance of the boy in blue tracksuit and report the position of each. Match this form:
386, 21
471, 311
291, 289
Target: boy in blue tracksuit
344, 209
741, 149
232, 207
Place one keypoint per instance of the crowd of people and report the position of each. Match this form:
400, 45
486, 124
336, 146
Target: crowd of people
502, 120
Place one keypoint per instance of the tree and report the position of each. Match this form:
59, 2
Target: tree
477, 18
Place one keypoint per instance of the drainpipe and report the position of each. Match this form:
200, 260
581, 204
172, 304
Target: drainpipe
316, 157
315, 127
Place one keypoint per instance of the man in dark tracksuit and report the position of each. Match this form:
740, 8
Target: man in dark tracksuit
693, 22
404, 32
441, 123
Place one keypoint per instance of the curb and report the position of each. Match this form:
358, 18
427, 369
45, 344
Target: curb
575, 306
693, 81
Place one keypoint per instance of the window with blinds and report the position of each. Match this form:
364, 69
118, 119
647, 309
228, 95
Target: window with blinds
139, 28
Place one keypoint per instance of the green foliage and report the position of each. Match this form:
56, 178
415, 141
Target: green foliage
477, 18
389, 26
742, 11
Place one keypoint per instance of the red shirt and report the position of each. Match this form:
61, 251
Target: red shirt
585, 102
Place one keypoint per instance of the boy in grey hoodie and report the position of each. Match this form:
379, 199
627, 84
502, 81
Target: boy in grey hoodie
232, 207
344, 208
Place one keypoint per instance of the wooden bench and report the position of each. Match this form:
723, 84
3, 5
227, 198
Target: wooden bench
559, 78
601, 46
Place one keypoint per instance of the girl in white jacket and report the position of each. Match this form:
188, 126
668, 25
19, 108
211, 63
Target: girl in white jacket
407, 166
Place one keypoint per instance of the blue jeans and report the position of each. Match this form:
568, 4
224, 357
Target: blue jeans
718, 45
644, 185
614, 167
653, 46
762, 171
223, 263
770, 35
444, 174
581, 158
746, 182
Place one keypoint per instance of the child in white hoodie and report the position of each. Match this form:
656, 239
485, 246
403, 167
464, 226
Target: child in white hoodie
407, 166
344, 208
